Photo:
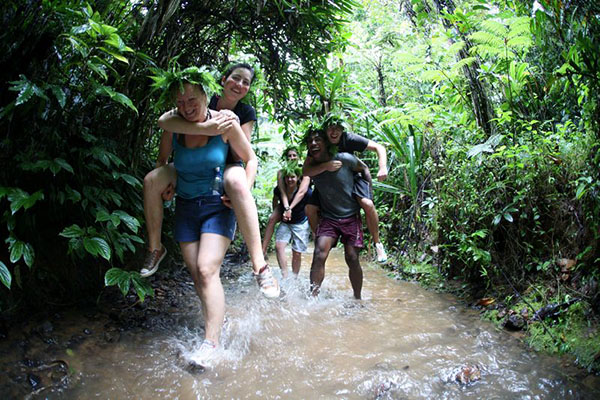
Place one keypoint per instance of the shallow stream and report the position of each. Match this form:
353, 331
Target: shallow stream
400, 342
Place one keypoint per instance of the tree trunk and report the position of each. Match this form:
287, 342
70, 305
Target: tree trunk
481, 104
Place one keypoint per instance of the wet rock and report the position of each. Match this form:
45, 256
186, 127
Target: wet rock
112, 336
34, 380
514, 322
75, 341
194, 368
45, 328
29, 363
468, 374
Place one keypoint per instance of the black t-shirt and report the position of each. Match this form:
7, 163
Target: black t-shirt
350, 142
245, 112
298, 215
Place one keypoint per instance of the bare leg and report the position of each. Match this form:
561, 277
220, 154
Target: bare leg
296, 262
317, 269
155, 182
280, 250
273, 220
312, 212
354, 269
204, 259
371, 216
244, 206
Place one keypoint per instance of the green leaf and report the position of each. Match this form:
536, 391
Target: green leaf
112, 276
59, 94
116, 276
97, 68
124, 100
24, 94
28, 255
96, 246
141, 286
115, 55
581, 190
5, 276
497, 219
508, 217
73, 231
132, 180
64, 165
16, 251
131, 222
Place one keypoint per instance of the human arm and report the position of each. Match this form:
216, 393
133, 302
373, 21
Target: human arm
172, 121
165, 148
382, 173
281, 186
302, 189
311, 168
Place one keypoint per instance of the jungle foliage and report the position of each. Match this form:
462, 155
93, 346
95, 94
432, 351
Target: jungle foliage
78, 120
490, 111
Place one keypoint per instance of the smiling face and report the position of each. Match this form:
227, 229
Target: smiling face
334, 133
191, 103
291, 181
237, 83
292, 155
317, 146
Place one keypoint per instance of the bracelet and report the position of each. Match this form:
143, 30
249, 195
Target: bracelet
287, 208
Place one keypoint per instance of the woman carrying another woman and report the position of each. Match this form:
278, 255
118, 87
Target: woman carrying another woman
159, 183
284, 213
295, 227
204, 225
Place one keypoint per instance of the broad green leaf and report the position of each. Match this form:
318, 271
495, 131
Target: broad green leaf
508, 217
96, 245
132, 180
131, 222
112, 276
16, 251
141, 286
5, 276
73, 231
102, 215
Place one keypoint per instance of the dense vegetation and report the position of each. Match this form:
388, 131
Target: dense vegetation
490, 111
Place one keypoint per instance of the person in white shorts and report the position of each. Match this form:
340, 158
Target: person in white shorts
294, 226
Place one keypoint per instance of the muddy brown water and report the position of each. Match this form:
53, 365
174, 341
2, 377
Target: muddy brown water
400, 342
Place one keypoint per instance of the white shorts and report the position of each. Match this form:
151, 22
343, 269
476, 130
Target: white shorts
298, 233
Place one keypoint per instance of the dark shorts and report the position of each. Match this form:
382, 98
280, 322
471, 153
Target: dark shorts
204, 214
350, 229
360, 190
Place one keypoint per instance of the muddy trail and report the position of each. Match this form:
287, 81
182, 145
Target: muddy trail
400, 342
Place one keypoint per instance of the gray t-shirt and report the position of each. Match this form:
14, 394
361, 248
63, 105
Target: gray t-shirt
335, 189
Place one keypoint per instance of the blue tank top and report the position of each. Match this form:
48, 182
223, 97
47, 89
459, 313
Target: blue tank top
196, 166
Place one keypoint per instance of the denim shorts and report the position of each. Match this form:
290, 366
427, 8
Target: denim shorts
298, 233
204, 214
